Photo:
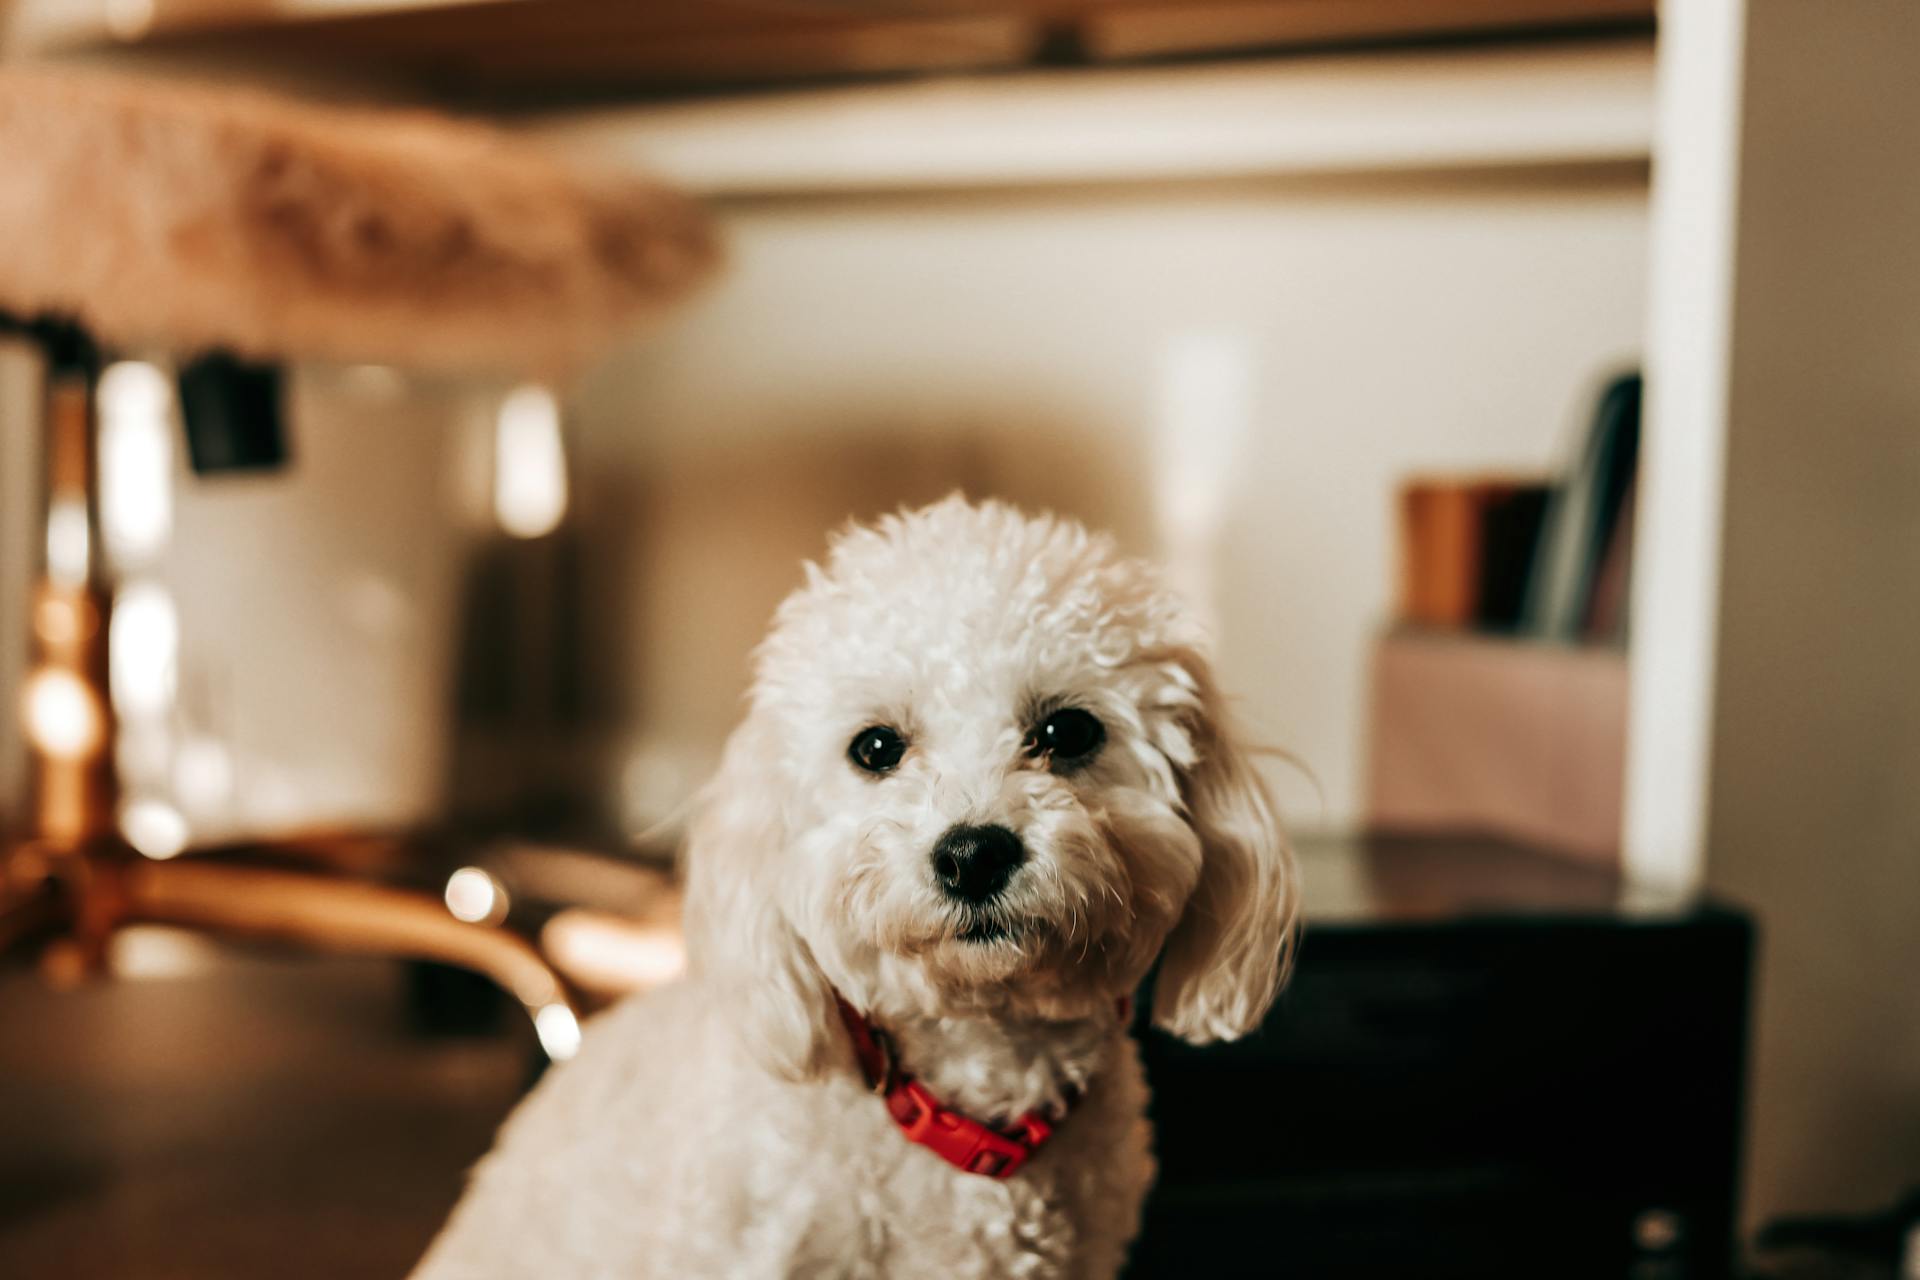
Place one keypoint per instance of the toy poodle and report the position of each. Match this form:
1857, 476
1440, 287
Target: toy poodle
983, 784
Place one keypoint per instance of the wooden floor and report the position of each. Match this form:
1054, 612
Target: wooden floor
255, 1118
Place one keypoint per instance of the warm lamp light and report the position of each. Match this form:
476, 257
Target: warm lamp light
474, 896
529, 464
559, 1031
155, 829
64, 720
136, 460
143, 646
610, 954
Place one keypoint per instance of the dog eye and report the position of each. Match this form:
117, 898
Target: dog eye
1068, 735
876, 748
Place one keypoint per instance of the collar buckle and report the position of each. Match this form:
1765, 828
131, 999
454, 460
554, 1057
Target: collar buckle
960, 1140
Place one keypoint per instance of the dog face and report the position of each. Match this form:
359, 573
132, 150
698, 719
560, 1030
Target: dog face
984, 771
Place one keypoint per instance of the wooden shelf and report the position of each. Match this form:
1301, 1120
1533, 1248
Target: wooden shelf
1427, 111
578, 45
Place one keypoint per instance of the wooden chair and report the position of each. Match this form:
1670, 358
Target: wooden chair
146, 216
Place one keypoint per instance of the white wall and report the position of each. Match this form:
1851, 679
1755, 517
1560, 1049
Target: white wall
318, 605
1813, 815
869, 350
1683, 459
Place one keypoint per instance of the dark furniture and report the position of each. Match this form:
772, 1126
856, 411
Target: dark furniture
1489, 1063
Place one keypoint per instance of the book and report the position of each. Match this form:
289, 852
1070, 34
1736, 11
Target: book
1607, 609
1509, 537
1582, 517
1466, 549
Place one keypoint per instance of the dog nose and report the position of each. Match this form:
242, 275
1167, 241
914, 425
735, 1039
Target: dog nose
974, 863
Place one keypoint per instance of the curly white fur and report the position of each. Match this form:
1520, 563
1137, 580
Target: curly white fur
721, 1127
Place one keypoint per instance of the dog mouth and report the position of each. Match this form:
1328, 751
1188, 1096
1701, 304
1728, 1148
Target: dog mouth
984, 930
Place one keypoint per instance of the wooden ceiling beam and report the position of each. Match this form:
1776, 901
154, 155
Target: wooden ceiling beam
572, 44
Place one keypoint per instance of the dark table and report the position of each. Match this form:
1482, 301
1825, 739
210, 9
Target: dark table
1489, 1063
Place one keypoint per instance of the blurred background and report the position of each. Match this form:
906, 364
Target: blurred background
1601, 747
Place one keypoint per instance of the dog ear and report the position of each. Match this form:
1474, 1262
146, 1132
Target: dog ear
1230, 950
738, 937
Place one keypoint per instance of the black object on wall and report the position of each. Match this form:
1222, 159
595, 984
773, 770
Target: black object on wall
233, 412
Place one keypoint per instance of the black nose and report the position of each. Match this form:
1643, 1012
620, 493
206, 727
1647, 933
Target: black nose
974, 863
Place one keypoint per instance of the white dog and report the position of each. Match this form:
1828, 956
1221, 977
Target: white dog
983, 782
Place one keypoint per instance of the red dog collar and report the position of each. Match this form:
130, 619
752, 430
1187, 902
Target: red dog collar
960, 1140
